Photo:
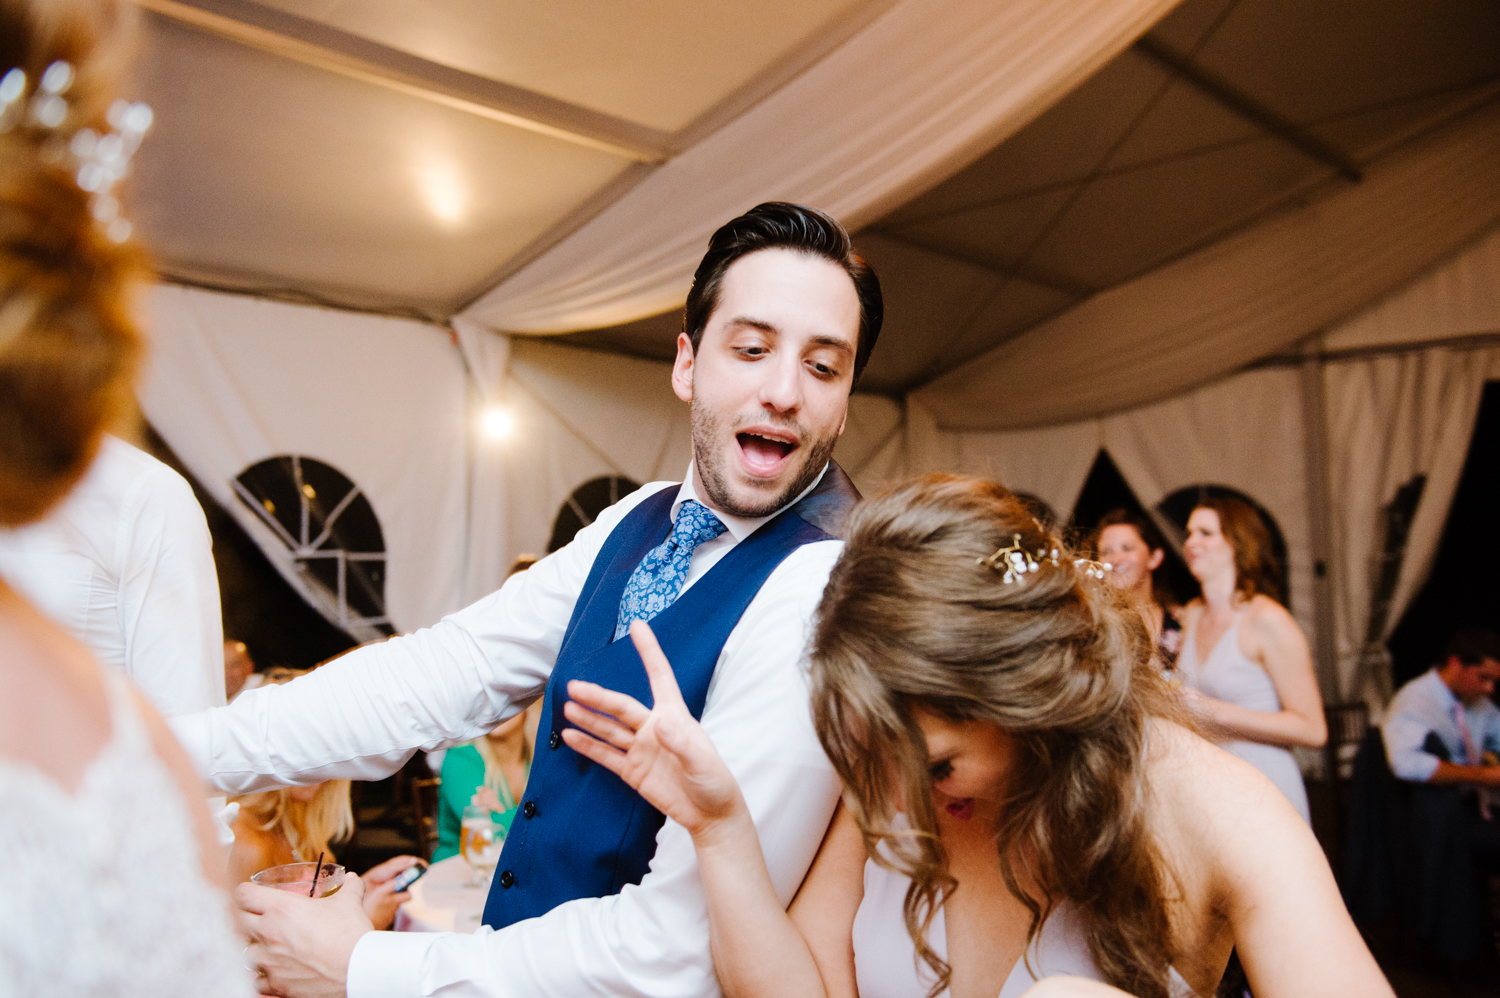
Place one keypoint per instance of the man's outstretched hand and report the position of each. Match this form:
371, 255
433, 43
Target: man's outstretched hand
663, 753
302, 945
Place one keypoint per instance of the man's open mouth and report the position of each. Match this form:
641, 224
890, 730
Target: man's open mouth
764, 452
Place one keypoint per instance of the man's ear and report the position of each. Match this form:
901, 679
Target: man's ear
1157, 557
682, 368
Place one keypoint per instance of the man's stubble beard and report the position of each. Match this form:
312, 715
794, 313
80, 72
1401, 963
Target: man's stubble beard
715, 477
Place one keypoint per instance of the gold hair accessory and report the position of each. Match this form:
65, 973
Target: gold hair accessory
1015, 561
1093, 569
99, 161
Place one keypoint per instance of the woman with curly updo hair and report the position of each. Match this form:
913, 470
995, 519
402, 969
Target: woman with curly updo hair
1023, 810
114, 884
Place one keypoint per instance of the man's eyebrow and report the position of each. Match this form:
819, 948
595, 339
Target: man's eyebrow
837, 342
753, 323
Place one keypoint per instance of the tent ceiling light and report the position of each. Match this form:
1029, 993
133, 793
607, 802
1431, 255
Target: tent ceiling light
497, 422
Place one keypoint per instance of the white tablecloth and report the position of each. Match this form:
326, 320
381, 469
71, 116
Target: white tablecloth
441, 903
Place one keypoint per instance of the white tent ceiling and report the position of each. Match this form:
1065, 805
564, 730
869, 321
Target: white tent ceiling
417, 158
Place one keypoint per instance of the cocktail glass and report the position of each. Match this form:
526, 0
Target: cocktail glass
297, 878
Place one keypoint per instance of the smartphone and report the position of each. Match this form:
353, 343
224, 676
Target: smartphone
409, 876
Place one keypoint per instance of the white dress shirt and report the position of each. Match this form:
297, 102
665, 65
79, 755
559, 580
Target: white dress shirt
1426, 706
361, 716
125, 563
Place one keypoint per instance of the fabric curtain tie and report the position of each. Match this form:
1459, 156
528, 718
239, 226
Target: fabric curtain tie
657, 580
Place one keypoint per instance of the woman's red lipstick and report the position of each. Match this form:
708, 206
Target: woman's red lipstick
963, 810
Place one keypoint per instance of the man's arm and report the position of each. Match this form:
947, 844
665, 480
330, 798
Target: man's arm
364, 715
169, 610
652, 939
1405, 734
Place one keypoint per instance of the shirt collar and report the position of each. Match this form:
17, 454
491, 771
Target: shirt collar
1442, 692
739, 527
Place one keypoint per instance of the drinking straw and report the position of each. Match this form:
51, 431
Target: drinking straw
313, 890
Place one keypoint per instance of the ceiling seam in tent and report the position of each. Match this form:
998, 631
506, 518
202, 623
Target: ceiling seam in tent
1031, 275
1231, 97
1466, 341
616, 188
292, 296
335, 50
1477, 84
1304, 194
933, 369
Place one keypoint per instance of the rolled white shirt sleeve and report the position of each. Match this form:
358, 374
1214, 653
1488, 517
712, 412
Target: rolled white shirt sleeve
652, 939
1404, 736
362, 716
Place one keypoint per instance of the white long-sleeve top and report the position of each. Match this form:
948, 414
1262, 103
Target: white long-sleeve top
125, 563
361, 717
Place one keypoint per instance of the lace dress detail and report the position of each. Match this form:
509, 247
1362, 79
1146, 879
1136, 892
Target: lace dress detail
104, 888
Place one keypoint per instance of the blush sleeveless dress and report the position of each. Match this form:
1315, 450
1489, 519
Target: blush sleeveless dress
886, 963
1226, 674
104, 889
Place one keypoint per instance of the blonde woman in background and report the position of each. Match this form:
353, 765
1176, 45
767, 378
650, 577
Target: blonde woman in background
290, 825
301, 824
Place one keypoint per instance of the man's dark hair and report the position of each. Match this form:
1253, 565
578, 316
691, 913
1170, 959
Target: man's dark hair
780, 225
1472, 645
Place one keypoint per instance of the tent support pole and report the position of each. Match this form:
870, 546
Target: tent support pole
1320, 524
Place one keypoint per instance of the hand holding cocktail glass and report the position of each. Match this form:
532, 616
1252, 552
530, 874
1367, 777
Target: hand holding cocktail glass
302, 944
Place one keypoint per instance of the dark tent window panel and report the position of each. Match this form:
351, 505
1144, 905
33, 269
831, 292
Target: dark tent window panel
585, 504
1463, 588
331, 531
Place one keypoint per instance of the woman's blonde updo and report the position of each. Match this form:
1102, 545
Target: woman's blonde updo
68, 346
911, 620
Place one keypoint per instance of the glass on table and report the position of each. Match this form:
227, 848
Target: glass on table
297, 878
480, 840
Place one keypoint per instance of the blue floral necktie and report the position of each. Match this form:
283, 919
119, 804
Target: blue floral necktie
657, 580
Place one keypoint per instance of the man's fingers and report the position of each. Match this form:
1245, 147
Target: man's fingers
626, 709
606, 729
255, 899
593, 748
664, 689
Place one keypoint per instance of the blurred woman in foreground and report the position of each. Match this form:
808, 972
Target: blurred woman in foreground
1133, 549
1019, 803
114, 884
1245, 664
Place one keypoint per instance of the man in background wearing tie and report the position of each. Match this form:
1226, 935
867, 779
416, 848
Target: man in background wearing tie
595, 892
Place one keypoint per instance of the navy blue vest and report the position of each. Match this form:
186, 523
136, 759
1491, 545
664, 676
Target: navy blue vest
581, 832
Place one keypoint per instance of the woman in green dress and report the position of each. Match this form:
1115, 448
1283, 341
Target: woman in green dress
490, 770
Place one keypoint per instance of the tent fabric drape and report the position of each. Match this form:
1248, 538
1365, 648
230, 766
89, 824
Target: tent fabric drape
1242, 298
234, 380
918, 94
1391, 419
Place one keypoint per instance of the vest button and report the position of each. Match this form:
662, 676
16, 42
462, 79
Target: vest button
530, 809
554, 740
507, 879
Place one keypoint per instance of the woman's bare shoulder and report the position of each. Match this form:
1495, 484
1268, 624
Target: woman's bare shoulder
1203, 796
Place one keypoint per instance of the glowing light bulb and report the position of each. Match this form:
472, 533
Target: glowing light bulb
497, 422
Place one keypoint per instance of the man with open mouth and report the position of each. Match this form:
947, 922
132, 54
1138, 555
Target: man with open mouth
596, 892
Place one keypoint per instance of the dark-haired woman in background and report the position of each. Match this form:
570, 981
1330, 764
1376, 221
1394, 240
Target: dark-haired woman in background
1018, 802
1134, 549
1246, 669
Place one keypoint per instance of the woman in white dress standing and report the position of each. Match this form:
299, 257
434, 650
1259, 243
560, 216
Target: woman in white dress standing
1247, 673
1021, 813
114, 884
